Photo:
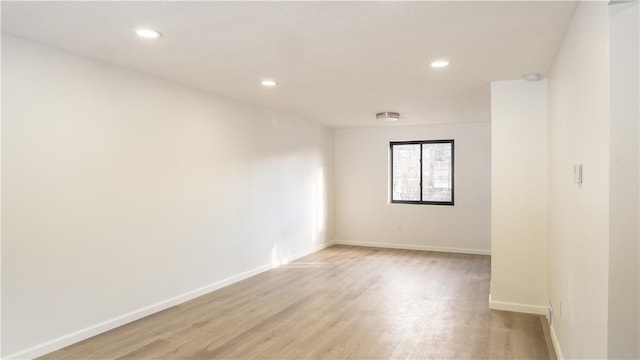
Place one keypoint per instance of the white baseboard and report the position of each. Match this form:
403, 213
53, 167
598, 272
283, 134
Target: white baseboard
82, 334
556, 344
517, 307
414, 247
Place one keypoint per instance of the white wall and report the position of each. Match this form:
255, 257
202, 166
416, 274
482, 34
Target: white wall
364, 215
624, 63
579, 214
593, 227
124, 194
1, 350
519, 196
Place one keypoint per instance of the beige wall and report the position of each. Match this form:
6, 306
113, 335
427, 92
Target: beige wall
624, 63
579, 214
124, 194
364, 215
519, 196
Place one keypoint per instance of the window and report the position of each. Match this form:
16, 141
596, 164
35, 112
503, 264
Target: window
422, 172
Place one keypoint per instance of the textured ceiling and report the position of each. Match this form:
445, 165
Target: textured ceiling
337, 63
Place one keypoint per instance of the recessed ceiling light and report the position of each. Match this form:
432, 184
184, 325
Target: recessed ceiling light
388, 116
269, 83
148, 33
439, 63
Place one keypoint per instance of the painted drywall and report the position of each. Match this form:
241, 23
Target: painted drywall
0, 211
519, 196
364, 215
579, 213
124, 193
624, 77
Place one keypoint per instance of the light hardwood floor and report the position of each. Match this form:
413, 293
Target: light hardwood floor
339, 303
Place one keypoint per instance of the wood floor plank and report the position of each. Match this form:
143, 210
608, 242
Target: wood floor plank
339, 303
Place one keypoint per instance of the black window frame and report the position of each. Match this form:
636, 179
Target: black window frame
421, 201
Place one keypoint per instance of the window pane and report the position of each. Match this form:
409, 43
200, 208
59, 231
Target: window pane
406, 172
436, 172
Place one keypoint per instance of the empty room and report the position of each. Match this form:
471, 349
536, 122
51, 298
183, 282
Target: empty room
320, 180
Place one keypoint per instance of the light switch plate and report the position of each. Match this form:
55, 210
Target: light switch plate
577, 173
